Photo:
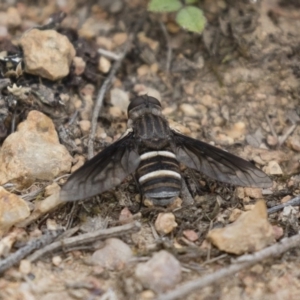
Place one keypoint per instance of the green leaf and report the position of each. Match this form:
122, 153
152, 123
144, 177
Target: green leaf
191, 18
164, 5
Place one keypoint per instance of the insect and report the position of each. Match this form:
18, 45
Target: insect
152, 151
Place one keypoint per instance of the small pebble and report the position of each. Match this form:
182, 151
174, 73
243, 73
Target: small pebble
286, 199
147, 295
119, 39
85, 126
104, 42
104, 64
153, 44
51, 224
113, 256
125, 216
294, 143
240, 193
191, 235
119, 99
56, 260
272, 140
165, 223
142, 89
143, 70
25, 266
115, 112
13, 17
273, 168
160, 273
79, 64
188, 110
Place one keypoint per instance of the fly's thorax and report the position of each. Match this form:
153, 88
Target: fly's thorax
153, 131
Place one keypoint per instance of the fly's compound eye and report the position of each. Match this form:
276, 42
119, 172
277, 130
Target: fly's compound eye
143, 100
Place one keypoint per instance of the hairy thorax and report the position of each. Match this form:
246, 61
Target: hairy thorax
153, 131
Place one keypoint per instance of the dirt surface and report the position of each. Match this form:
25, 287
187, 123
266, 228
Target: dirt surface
236, 86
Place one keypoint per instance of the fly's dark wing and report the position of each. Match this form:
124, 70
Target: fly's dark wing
104, 171
218, 164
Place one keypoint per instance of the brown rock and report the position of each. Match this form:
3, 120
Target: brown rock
13, 209
160, 273
47, 53
113, 256
165, 223
33, 152
250, 232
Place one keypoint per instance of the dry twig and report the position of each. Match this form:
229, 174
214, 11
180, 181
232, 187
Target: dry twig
100, 97
271, 127
283, 138
14, 258
86, 238
169, 51
109, 54
241, 263
293, 202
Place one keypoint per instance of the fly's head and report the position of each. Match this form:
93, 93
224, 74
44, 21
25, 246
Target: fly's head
142, 105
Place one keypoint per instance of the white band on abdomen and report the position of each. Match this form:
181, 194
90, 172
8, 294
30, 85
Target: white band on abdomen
157, 153
159, 173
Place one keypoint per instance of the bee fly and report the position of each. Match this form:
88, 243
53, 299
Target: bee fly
153, 151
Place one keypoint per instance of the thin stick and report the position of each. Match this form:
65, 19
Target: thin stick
109, 54
293, 202
85, 238
271, 127
169, 51
14, 258
100, 97
283, 138
243, 262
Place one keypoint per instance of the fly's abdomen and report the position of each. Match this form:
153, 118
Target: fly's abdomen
159, 176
